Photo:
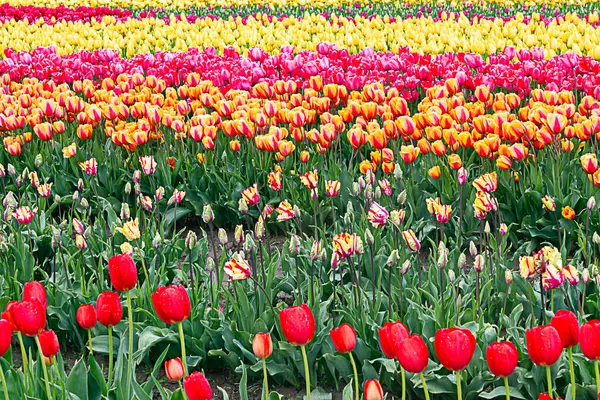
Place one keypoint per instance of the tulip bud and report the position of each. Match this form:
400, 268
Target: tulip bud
238, 236
349, 208
57, 199
191, 240
487, 229
174, 369
358, 246
443, 258
402, 197
370, 177
137, 189
55, 238
315, 250
297, 211
369, 237
397, 171
405, 267
462, 176
84, 203
356, 189
393, 258
585, 276
362, 183
8, 213
125, 213
75, 196
262, 345
39, 160
503, 229
451, 275
2, 171
249, 244
159, 194
128, 188
208, 215
372, 390
11, 170
596, 238
472, 249
462, 260
243, 206
10, 200
594, 270
222, 235
479, 263
259, 229
156, 241
459, 302
377, 193
369, 194
80, 185
508, 276
137, 176
591, 203
210, 264
294, 245
19, 181
63, 225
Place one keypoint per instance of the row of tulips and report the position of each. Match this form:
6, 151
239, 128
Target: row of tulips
462, 34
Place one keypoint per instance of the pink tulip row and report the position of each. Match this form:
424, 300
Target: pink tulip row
409, 72
60, 13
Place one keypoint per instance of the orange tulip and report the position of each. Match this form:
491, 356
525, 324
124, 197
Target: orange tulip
434, 172
589, 163
454, 161
409, 153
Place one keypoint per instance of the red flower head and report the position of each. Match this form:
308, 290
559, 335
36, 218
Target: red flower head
49, 343
589, 339
502, 358
29, 317
373, 390
174, 369
390, 336
544, 345
5, 336
565, 322
413, 354
86, 316
122, 271
197, 387
454, 347
171, 303
297, 324
343, 338
262, 345
35, 290
7, 315
109, 309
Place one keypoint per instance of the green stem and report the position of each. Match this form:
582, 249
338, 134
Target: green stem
182, 340
306, 372
403, 383
266, 380
90, 340
549, 378
110, 356
44, 368
458, 388
130, 363
572, 371
356, 390
424, 386
507, 388
597, 376
4, 383
24, 357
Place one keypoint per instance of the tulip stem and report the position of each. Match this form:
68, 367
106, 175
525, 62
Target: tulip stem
24, 357
424, 386
572, 371
90, 341
597, 376
266, 380
307, 372
130, 363
458, 388
110, 356
507, 388
182, 340
4, 383
549, 378
403, 383
356, 390
44, 368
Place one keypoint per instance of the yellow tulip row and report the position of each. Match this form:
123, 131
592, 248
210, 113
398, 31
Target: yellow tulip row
133, 36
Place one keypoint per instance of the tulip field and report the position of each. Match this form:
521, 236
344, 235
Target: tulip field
298, 199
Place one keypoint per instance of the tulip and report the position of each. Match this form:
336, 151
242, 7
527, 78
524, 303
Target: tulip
411, 240
197, 387
35, 290
110, 312
262, 346
344, 341
589, 340
454, 348
332, 188
565, 322
123, 272
568, 213
238, 269
49, 343
377, 215
413, 356
390, 336
250, 195
130, 230
87, 318
29, 316
502, 359
174, 369
24, 215
298, 327
544, 345
373, 390
5, 340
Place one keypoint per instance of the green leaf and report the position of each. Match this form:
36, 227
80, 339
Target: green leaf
500, 391
223, 392
348, 393
244, 384
77, 382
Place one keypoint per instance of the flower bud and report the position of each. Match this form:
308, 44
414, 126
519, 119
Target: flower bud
397, 171
159, 194
508, 276
126, 248
128, 188
356, 189
137, 176
462, 260
80, 242
2, 171
297, 212
78, 227
249, 244
585, 275
369, 237
11, 170
8, 213
503, 229
377, 193
259, 229
156, 241
451, 275
591, 203
243, 206
487, 229
405, 267
462, 176
594, 270
55, 238
75, 196
222, 235
472, 249
479, 263
208, 215
370, 177
210, 264
315, 250
84, 203
393, 258
10, 200
19, 181
369, 194
125, 213
39, 160
238, 236
362, 183
191, 240
358, 246
57, 199
137, 189
294, 245
80, 185
443, 258
596, 238
174, 369
402, 197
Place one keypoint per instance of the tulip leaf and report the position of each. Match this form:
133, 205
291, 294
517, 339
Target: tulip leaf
97, 375
244, 384
500, 391
348, 393
223, 392
77, 382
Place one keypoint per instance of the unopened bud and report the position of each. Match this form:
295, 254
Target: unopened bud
315, 250
156, 241
137, 189
160, 193
238, 236
479, 263
591, 203
472, 249
80, 185
358, 246
191, 240
208, 215
137, 176
75, 196
369, 237
503, 229
362, 183
243, 206
451, 275
596, 238
128, 188
462, 176
487, 229
462, 260
57, 199
405, 267
508, 276
222, 236
377, 193
11, 170
259, 229
402, 197
249, 244
10, 200
393, 258
585, 275
356, 189
125, 213
294, 245
84, 203
39, 160
210, 264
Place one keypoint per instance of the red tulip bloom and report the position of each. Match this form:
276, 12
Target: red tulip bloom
7, 314
589, 339
49, 343
86, 316
502, 358
109, 309
174, 369
373, 390
343, 338
546, 396
171, 303
297, 324
390, 336
29, 317
122, 271
197, 387
544, 345
412, 354
565, 322
454, 347
5, 336
262, 345
35, 290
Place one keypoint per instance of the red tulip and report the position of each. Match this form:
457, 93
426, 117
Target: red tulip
109, 309
343, 338
29, 317
171, 303
373, 390
122, 271
589, 339
49, 343
454, 347
7, 315
502, 358
35, 290
5, 336
262, 345
413, 354
546, 396
565, 322
197, 387
544, 345
174, 369
390, 336
297, 324
86, 316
